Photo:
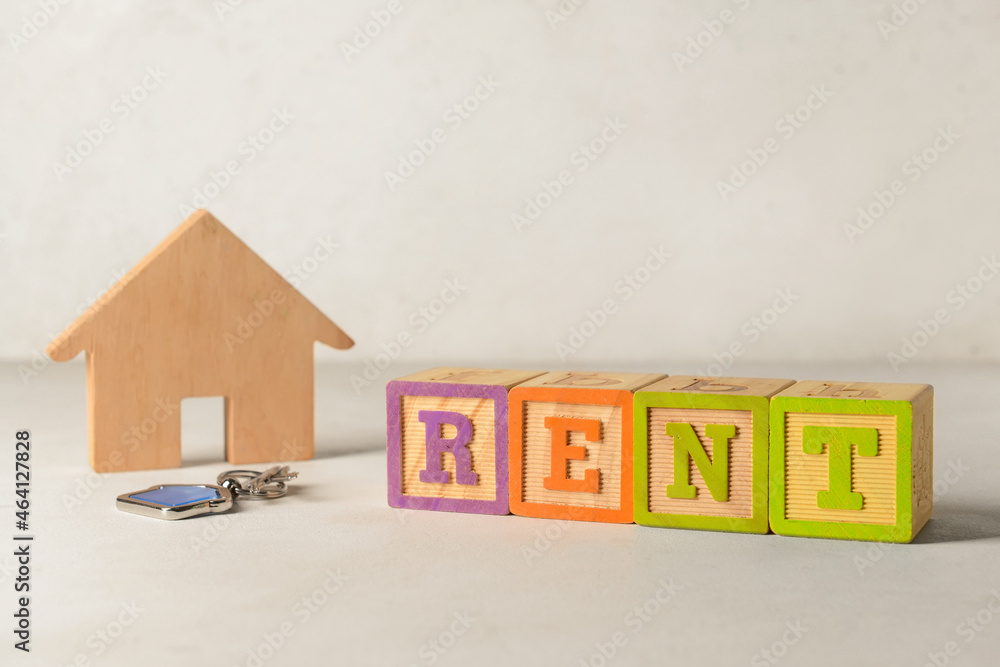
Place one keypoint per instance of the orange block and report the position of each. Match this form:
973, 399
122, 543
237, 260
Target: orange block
570, 446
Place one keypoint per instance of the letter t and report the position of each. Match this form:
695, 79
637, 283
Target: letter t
840, 441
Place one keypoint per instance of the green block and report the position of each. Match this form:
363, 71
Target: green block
852, 461
700, 448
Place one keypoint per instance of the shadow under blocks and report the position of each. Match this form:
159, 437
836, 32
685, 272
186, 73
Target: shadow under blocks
845, 460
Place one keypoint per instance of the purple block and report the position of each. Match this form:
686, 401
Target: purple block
438, 447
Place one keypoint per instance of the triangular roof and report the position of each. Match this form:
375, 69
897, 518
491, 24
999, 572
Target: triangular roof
74, 339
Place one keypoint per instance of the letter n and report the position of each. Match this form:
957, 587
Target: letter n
687, 447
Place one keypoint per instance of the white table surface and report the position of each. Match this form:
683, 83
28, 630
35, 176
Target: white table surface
485, 590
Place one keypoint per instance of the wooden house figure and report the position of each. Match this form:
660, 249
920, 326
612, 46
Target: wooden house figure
200, 315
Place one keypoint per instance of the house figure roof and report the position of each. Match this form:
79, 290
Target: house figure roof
201, 315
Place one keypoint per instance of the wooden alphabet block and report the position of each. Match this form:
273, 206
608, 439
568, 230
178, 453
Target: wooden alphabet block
852, 460
447, 439
571, 446
701, 453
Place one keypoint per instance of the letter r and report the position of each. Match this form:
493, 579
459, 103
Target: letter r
437, 446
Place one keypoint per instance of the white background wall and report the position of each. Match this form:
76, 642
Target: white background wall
224, 71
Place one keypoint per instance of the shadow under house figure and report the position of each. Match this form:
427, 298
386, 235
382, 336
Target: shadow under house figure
201, 315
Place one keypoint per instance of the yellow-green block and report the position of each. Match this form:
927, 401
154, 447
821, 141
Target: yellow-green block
700, 448
852, 461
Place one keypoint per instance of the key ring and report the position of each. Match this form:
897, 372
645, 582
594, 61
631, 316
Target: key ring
261, 485
180, 501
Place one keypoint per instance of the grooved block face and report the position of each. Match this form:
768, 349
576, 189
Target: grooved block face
738, 478
481, 446
852, 460
682, 477
808, 475
604, 454
447, 440
571, 446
